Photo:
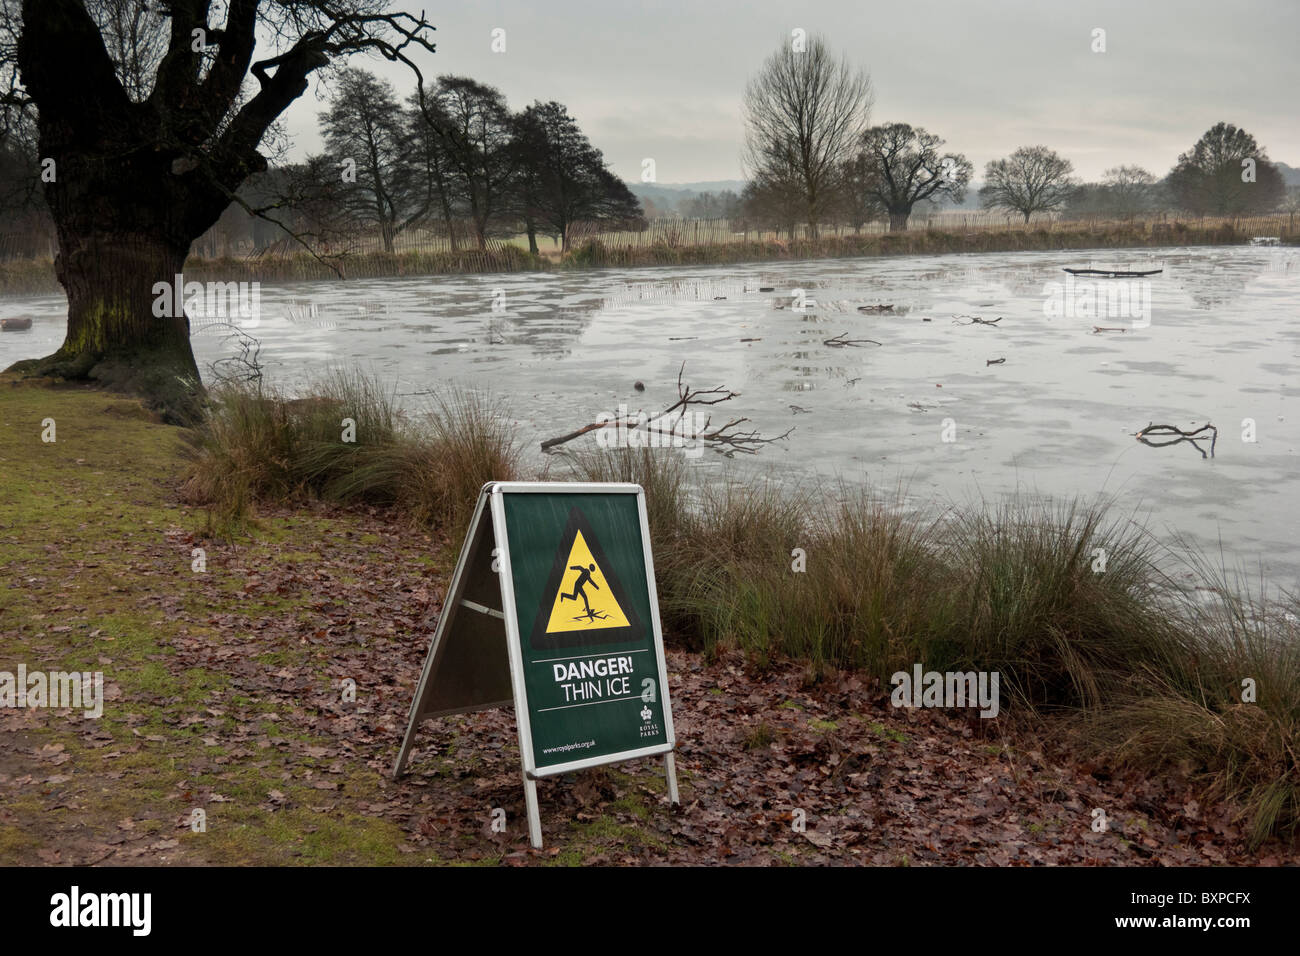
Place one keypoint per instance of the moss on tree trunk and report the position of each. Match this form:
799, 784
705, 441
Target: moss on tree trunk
115, 336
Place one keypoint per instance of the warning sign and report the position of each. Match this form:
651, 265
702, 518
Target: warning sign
552, 608
588, 605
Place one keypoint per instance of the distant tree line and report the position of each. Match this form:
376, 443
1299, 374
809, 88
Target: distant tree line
813, 159
460, 163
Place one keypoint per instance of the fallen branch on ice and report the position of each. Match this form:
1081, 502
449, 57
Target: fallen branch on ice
839, 342
671, 423
1180, 436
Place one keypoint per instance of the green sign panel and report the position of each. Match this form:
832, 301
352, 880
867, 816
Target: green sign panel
553, 607
592, 667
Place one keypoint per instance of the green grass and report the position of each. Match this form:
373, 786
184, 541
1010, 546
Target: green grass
1008, 589
889, 733
78, 520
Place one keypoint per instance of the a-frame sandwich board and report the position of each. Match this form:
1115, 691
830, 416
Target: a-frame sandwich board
553, 607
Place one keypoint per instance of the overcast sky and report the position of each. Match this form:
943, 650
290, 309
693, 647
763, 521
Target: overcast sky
665, 79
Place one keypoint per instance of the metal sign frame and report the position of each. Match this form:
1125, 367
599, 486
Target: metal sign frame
491, 504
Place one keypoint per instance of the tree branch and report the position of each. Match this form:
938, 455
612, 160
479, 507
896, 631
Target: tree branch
1180, 437
839, 342
670, 422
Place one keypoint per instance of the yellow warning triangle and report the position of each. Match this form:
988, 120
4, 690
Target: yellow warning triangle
584, 579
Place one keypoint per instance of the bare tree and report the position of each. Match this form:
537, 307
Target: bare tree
364, 130
771, 205
1291, 204
805, 112
1128, 190
135, 36
1032, 179
22, 207
856, 204
903, 166
708, 205
474, 130
136, 182
438, 183
312, 193
562, 178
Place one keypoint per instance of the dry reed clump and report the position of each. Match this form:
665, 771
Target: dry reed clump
348, 442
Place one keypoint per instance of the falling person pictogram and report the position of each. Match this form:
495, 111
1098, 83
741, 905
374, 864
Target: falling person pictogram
584, 578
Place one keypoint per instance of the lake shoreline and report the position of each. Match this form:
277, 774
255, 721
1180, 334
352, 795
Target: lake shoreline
37, 276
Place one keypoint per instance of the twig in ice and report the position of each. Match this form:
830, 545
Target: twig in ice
1179, 436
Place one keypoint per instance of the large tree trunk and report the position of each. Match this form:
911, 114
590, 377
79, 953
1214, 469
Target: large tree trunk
531, 227
114, 336
898, 220
126, 208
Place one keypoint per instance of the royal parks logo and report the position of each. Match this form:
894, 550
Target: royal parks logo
649, 726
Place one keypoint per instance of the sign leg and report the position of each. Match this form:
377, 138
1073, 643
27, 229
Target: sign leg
670, 770
405, 752
534, 815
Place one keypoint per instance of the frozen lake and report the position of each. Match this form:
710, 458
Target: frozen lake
1219, 343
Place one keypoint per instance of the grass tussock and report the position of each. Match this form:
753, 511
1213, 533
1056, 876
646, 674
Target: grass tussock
1063, 599
1069, 603
1232, 716
348, 442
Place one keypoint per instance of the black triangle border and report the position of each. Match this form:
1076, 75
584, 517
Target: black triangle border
539, 640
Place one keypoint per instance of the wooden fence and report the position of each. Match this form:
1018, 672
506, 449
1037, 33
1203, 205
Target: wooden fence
677, 233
